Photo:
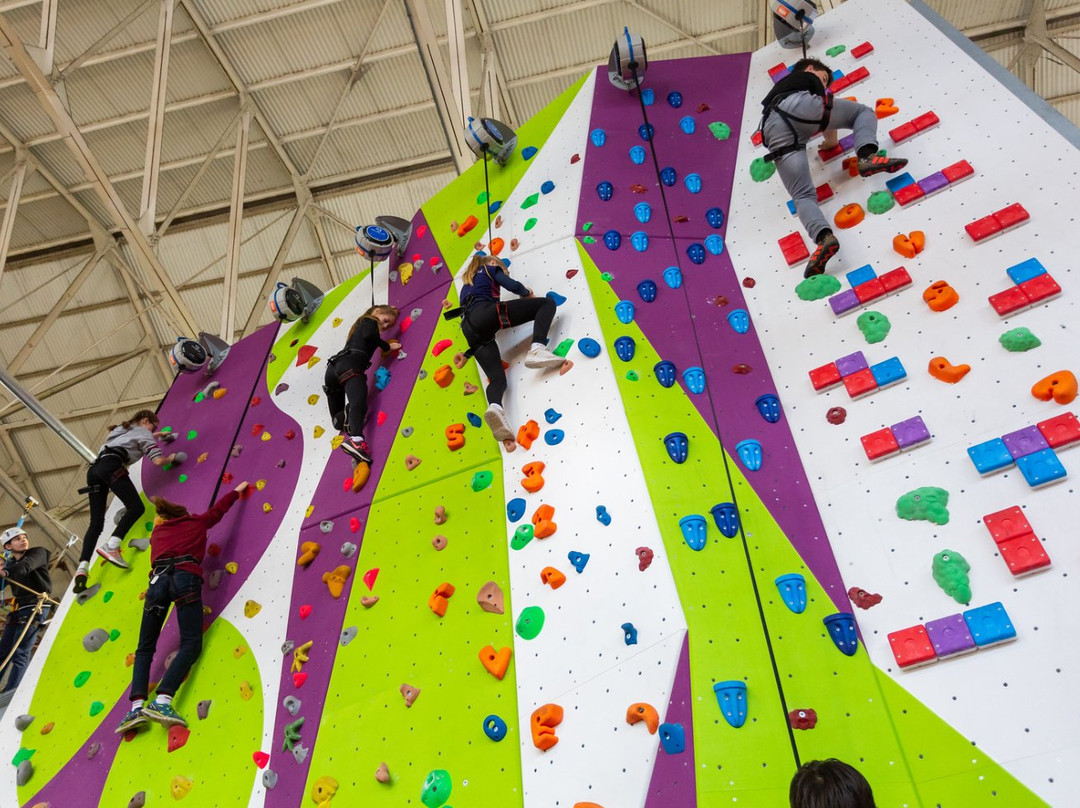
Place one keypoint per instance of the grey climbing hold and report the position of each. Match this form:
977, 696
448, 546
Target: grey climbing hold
281, 463
326, 526
292, 704
119, 515
422, 374
392, 275
287, 647
92, 752
87, 593
348, 635
24, 773
269, 779
406, 431
23, 721
236, 450
169, 659
95, 639
213, 580
140, 544
138, 801
415, 313
281, 388
348, 549
203, 709
299, 752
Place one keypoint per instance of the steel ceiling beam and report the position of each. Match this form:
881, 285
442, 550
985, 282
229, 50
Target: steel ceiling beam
7, 225
493, 83
82, 412
156, 123
58, 537
150, 334
459, 64
236, 219
274, 270
102, 41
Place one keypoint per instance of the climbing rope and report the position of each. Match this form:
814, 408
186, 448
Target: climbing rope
42, 599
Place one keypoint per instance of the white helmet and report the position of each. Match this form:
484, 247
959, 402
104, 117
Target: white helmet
187, 355
10, 534
286, 304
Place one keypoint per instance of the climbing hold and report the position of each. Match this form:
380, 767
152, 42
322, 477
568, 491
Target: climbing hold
714, 244
409, 693
836, 415
695, 380
441, 346
874, 326
817, 287
1018, 339
543, 526
178, 736
326, 526
646, 131
440, 598
688, 125
696, 253
578, 560
553, 437
481, 480
1060, 386
637, 155
692, 183
23, 772
672, 738
367, 601
645, 558
323, 791
731, 696
495, 727
490, 598
598, 137
668, 176
677, 445
950, 571
137, 801
642, 712
673, 277
82, 678
768, 406
439, 542
629, 633
612, 239
802, 719
530, 622
533, 480
793, 591
841, 627
643, 212
527, 433
369, 578
602, 515
542, 723
665, 373
726, 518
382, 774
939, 296
348, 549
528, 152
760, 170
495, 662
515, 508
23, 721
180, 787
942, 370
440, 515
624, 311
911, 244
589, 347
555, 296
95, 639
92, 752
647, 290
411, 462
693, 531
552, 577
749, 452
522, 536
232, 568
849, 216
928, 503
862, 598
880, 202
739, 320
444, 376
335, 580
291, 705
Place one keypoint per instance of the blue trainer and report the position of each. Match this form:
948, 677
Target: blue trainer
163, 714
134, 720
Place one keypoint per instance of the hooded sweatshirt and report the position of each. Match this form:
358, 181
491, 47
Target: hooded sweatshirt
186, 535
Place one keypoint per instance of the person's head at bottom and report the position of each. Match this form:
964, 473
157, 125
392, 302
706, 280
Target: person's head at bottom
830, 784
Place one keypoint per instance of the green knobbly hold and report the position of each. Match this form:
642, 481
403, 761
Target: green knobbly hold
631, 376
817, 287
292, 734
482, 480
1019, 339
607, 277
720, 130
836, 50
880, 202
107, 596
530, 622
530, 200
929, 503
760, 170
436, 789
588, 240
522, 536
183, 478
96, 707
114, 635
950, 570
191, 435
564, 347
530, 224
874, 326
585, 228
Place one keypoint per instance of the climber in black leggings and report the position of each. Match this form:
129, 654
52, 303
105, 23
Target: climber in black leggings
484, 315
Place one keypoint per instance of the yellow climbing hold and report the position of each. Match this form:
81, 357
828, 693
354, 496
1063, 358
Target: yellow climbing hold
206, 610
336, 441
313, 362
313, 399
323, 791
265, 436
300, 656
267, 507
406, 271
318, 431
260, 484
337, 321
310, 510
220, 392
180, 787
245, 690
239, 651
232, 568
252, 608
202, 458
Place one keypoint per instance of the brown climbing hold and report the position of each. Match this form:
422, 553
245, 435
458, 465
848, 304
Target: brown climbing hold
543, 722
943, 371
335, 580
836, 415
411, 462
439, 542
1060, 386
862, 598
638, 188
681, 219
645, 557
720, 300
308, 551
439, 599
45, 730
534, 480
178, 736
749, 283
443, 376
552, 577
440, 515
636, 713
409, 693
542, 524
129, 660
369, 600
470, 388
802, 719
383, 773
138, 801
92, 752
742, 369
455, 437
527, 433
495, 662
490, 598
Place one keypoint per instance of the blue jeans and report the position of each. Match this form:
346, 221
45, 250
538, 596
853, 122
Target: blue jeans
185, 590
21, 658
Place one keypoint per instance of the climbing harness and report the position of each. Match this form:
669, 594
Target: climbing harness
787, 118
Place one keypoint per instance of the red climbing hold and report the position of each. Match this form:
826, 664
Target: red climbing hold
380, 419
836, 416
571, 273
749, 283
305, 611
420, 230
370, 576
862, 598
255, 401
304, 354
227, 477
574, 158
299, 678
638, 188
742, 369
261, 759
256, 429
289, 434
213, 550
178, 736
645, 557
406, 321
354, 524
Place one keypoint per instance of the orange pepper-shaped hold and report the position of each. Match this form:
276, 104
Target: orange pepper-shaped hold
533, 481
529, 432
849, 216
467, 225
543, 723
939, 296
440, 597
542, 524
495, 662
552, 577
444, 376
496, 246
943, 371
455, 437
884, 107
1060, 386
641, 711
911, 244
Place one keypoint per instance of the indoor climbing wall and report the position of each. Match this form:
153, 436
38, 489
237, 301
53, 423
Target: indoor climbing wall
751, 522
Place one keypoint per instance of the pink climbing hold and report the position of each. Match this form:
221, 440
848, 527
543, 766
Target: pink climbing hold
304, 354
380, 419
305, 611
261, 759
346, 484
370, 576
441, 346
299, 678
420, 230
354, 524
406, 321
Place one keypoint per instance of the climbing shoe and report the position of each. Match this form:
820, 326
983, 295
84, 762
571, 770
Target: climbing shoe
828, 247
495, 417
163, 714
357, 448
539, 357
875, 164
113, 557
80, 583
134, 720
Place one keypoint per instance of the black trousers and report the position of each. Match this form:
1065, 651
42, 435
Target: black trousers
185, 590
108, 473
343, 381
481, 322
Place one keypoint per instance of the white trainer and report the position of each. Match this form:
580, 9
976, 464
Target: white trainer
113, 557
538, 357
495, 417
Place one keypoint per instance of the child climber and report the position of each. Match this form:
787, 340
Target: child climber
126, 443
484, 315
177, 548
796, 109
345, 378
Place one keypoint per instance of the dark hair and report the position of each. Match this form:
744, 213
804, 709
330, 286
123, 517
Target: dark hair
168, 510
149, 415
829, 784
816, 64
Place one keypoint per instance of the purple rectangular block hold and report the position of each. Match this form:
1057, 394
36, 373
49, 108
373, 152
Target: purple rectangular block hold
934, 183
853, 363
844, 302
910, 433
847, 143
950, 636
1022, 442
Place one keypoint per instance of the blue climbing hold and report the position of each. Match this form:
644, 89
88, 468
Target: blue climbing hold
673, 277
528, 153
473, 419
768, 406
547, 187
624, 348
693, 530
598, 137
665, 372
693, 183
494, 206
604, 190
643, 212
559, 299
842, 631
639, 240
612, 239
678, 446
731, 696
629, 633
382, 378
714, 244
672, 739
578, 560
602, 516
647, 290
688, 125
675, 99
749, 452
495, 728
647, 97
726, 518
551, 416
637, 155
739, 320
507, 262
715, 217
696, 253
589, 347
515, 509
624, 310
553, 437
668, 176
695, 380
793, 591
646, 131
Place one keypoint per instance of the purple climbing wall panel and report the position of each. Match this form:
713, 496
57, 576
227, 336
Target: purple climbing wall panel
673, 781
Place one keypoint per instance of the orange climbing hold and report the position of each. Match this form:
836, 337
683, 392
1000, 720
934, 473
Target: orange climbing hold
849, 216
411, 462
587, 805
939, 296
496, 246
443, 376
636, 713
527, 433
495, 662
439, 599
1060, 386
467, 225
335, 580
360, 476
533, 481
455, 437
543, 723
942, 370
552, 577
308, 551
910, 245
884, 107
542, 524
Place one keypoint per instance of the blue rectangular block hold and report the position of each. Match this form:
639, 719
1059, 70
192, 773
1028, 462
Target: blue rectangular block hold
1041, 468
991, 456
1026, 270
861, 275
989, 625
888, 372
898, 182
791, 207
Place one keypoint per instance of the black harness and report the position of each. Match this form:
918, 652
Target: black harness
788, 119
463, 313
167, 565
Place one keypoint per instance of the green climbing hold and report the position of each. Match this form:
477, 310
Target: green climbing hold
522, 536
114, 635
530, 622
631, 376
183, 478
530, 200
482, 480
927, 503
817, 287
192, 434
760, 170
21, 755
588, 240
607, 277
148, 526
199, 397
529, 225
81, 678
437, 787
481, 198
107, 596
564, 347
1019, 339
165, 429
874, 326
836, 50
950, 570
96, 707
880, 202
720, 130
585, 228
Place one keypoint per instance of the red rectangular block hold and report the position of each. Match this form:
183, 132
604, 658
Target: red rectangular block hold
1024, 555
1007, 524
857, 75
859, 51
928, 120
879, 445
870, 290
825, 377
794, 248
1040, 288
984, 228
958, 171
908, 194
905, 131
860, 384
839, 85
1061, 430
912, 647
895, 279
828, 155
1009, 302
780, 68
1012, 216
824, 191
756, 138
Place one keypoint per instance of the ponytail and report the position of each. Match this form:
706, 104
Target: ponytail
149, 415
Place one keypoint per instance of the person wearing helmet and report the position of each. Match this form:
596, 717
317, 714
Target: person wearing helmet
829, 784
345, 379
177, 548
28, 568
798, 107
125, 443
